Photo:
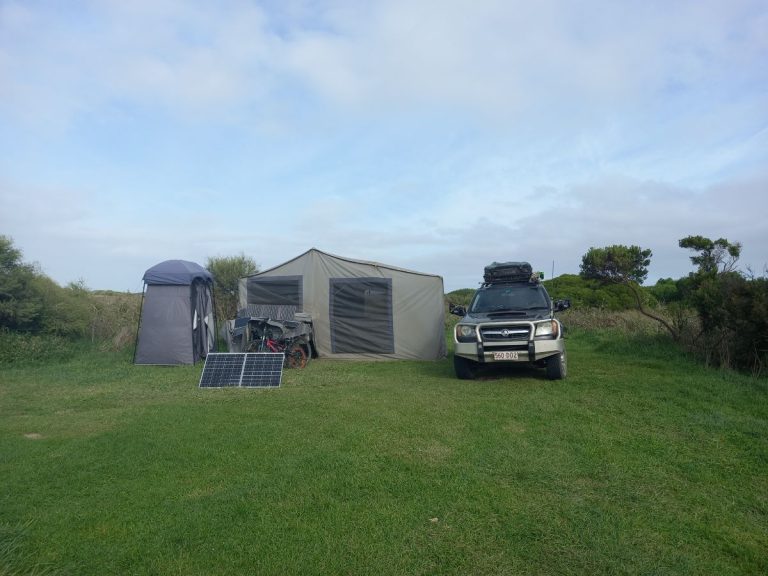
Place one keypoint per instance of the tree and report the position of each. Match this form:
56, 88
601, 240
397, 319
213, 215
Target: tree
10, 257
625, 265
714, 256
227, 271
617, 263
730, 307
20, 301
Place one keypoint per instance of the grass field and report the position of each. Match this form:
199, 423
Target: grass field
641, 462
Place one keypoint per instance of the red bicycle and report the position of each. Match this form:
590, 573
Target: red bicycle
269, 336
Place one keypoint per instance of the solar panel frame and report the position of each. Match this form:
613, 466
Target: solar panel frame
242, 370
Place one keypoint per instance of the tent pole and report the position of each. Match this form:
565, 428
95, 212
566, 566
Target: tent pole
193, 301
213, 312
138, 324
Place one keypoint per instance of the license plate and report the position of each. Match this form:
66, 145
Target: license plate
506, 356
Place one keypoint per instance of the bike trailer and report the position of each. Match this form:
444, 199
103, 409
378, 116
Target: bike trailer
507, 272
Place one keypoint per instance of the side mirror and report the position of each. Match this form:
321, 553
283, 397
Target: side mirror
457, 310
561, 305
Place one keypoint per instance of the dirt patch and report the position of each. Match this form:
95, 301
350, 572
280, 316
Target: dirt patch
33, 436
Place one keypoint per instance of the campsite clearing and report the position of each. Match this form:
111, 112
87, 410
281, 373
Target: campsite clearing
641, 462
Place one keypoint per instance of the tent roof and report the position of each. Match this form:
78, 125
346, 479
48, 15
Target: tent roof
176, 272
352, 260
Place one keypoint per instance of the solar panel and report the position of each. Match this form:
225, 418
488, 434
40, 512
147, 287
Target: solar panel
262, 369
222, 369
252, 370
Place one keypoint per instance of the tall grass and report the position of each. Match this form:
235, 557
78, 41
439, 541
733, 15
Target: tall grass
113, 318
20, 348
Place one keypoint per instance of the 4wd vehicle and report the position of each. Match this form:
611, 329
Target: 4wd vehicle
510, 320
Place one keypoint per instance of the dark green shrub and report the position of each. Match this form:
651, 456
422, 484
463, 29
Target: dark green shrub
585, 293
460, 297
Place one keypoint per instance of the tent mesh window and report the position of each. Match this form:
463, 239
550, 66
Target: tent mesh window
361, 316
276, 297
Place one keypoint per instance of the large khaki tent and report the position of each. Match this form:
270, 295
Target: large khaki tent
358, 309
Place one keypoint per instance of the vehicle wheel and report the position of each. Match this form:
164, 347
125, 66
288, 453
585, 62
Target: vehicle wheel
465, 369
295, 356
557, 366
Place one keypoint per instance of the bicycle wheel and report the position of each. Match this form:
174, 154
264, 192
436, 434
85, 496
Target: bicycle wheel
295, 356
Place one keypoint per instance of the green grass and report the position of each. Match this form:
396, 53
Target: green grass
641, 462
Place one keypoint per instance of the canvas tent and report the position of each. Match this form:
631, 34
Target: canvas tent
177, 321
358, 309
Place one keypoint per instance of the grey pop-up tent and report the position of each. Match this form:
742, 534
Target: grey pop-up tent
177, 320
358, 309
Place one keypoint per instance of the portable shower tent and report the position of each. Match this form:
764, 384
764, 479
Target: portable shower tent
358, 309
177, 321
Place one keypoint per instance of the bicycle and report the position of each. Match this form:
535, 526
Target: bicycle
269, 336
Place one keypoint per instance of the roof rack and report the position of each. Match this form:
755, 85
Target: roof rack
534, 278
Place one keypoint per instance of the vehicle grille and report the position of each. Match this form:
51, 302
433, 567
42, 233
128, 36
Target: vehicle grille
512, 333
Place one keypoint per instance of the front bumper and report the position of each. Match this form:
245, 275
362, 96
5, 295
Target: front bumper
536, 350
500, 350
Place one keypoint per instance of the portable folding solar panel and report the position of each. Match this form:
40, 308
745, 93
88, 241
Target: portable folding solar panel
242, 370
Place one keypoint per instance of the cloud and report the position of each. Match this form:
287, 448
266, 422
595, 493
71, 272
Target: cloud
185, 58
616, 210
559, 229
430, 135
496, 58
505, 58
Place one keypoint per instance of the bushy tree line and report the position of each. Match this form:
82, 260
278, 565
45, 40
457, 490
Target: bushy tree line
730, 308
33, 303
590, 293
38, 317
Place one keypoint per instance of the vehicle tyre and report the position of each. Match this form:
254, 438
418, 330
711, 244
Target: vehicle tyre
295, 356
465, 369
557, 366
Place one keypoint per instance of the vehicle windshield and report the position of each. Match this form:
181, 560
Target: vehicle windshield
509, 297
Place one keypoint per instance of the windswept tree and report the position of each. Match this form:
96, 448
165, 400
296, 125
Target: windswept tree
624, 265
708, 288
618, 264
227, 271
714, 256
731, 307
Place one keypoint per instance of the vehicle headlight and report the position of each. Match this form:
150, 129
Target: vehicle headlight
465, 333
547, 329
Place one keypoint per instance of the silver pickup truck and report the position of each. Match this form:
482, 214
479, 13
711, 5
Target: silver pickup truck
510, 321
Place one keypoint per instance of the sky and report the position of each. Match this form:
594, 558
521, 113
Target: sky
432, 135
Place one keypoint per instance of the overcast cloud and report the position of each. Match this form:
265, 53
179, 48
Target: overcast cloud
430, 135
